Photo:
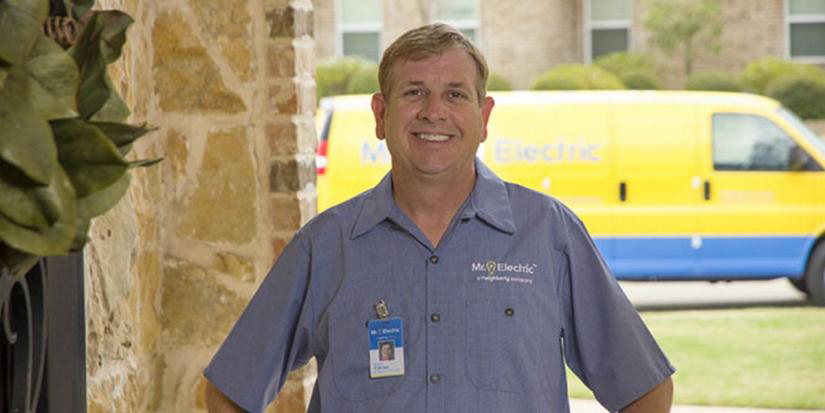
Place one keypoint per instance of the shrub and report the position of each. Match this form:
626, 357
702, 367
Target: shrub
364, 80
713, 80
760, 73
576, 77
802, 93
498, 82
333, 77
635, 70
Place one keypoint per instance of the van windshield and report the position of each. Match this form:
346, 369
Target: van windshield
816, 141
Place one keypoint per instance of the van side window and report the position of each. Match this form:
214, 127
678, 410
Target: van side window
751, 143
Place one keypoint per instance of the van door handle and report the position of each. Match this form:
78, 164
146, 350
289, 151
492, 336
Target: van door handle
707, 191
622, 191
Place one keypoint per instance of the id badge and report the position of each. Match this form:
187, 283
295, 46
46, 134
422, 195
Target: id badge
386, 347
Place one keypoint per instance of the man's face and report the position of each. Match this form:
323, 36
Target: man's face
432, 119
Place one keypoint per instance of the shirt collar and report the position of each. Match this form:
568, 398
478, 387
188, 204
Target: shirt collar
489, 201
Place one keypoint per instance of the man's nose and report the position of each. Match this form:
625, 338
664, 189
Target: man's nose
433, 109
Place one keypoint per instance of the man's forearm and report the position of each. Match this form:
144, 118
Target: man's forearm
217, 402
657, 400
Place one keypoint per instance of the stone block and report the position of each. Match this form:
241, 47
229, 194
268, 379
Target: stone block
177, 153
197, 309
222, 205
188, 80
286, 212
226, 24
289, 175
239, 267
280, 59
282, 136
283, 97
281, 22
306, 97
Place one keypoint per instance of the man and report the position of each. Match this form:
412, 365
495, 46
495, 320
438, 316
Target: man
487, 288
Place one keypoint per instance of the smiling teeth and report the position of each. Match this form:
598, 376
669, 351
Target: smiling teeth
433, 138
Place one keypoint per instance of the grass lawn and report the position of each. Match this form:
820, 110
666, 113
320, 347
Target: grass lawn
759, 357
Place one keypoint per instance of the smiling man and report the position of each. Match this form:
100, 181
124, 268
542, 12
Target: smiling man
484, 289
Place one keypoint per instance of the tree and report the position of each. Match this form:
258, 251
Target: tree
682, 26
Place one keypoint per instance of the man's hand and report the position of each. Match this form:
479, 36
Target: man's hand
217, 402
657, 400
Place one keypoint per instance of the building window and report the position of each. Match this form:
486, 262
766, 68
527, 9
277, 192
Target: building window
360, 28
806, 30
607, 27
461, 14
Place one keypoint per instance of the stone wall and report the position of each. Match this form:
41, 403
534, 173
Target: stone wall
228, 85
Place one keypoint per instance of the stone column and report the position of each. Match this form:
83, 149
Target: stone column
228, 85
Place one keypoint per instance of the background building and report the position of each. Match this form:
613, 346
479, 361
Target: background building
521, 42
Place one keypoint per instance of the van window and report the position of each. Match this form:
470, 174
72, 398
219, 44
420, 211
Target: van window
750, 142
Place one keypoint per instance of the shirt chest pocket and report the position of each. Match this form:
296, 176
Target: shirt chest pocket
349, 344
508, 339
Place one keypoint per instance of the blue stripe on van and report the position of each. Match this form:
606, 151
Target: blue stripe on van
722, 257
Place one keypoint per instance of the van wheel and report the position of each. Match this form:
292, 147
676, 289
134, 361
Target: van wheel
815, 275
800, 284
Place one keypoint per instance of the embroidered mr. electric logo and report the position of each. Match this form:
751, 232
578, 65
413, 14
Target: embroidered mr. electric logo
504, 272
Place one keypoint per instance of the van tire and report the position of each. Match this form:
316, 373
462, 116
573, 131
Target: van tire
815, 275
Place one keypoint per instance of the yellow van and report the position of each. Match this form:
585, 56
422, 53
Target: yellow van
672, 185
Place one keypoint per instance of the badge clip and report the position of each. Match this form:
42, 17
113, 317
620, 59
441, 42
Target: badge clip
381, 309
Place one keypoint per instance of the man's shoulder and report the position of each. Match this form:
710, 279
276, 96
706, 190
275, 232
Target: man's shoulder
528, 201
341, 217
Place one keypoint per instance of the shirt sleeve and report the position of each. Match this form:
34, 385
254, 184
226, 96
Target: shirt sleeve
606, 343
272, 336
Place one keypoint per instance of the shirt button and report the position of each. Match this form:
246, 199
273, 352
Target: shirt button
508, 312
435, 317
435, 378
434, 259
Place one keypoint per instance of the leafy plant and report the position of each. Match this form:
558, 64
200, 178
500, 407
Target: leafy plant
758, 74
62, 138
635, 70
496, 81
683, 26
576, 77
713, 80
344, 76
802, 93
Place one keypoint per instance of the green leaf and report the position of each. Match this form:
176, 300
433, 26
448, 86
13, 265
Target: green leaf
20, 204
81, 7
53, 80
142, 163
21, 22
52, 240
100, 44
25, 138
96, 204
121, 134
18, 262
101, 201
89, 158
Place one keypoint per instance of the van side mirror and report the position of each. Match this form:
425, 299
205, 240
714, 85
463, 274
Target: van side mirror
799, 160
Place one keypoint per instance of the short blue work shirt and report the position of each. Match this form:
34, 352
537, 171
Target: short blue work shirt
514, 290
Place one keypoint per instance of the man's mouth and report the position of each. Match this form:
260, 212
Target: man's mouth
432, 137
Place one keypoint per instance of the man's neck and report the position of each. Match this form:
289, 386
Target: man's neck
432, 203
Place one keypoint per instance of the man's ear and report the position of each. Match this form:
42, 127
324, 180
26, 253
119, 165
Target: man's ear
379, 109
486, 109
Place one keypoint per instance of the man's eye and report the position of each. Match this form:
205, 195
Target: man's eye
413, 92
457, 95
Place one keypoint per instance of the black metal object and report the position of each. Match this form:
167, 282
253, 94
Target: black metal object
23, 339
64, 382
43, 353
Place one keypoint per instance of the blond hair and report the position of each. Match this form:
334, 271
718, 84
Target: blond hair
426, 41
